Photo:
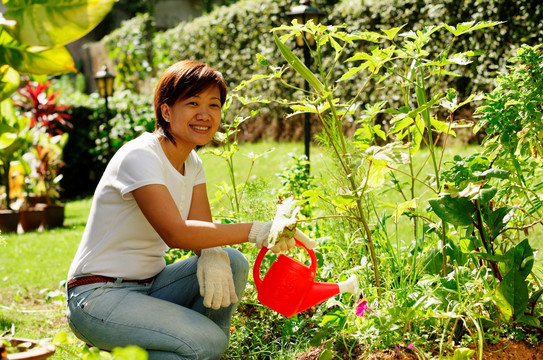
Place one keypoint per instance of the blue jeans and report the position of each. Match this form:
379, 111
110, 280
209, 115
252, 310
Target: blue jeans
165, 317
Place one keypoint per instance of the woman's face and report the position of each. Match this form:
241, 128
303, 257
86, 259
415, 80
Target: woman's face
194, 120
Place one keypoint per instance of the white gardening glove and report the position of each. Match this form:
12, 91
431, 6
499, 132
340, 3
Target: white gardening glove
284, 225
260, 233
281, 231
215, 278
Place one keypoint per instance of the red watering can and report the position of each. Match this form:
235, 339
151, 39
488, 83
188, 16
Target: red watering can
288, 286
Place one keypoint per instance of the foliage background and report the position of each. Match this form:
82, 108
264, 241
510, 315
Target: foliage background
229, 37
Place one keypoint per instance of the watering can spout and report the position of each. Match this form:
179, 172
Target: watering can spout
323, 291
350, 285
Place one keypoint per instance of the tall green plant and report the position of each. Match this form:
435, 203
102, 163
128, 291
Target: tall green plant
393, 55
235, 111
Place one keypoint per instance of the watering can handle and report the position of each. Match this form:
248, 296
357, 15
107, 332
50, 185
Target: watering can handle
264, 250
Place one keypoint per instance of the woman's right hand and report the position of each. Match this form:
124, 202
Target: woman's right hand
261, 236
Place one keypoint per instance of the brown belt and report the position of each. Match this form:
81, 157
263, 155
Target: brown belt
93, 279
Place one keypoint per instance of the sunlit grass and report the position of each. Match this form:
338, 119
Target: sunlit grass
33, 265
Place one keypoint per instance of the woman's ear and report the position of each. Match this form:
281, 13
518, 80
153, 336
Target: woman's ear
165, 110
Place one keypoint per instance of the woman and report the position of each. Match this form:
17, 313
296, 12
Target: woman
151, 197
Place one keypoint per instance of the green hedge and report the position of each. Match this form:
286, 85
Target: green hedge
230, 37
523, 24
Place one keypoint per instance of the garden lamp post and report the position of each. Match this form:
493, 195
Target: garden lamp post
104, 83
303, 13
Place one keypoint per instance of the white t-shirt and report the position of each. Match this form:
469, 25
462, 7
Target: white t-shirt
118, 241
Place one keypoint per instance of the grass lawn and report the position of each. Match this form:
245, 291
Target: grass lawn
33, 266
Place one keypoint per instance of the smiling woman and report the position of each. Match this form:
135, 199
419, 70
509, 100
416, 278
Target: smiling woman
152, 197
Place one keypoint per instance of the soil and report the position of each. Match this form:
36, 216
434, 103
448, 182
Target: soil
503, 350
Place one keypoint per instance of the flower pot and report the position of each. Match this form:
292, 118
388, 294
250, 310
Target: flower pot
34, 200
9, 220
53, 216
31, 218
31, 350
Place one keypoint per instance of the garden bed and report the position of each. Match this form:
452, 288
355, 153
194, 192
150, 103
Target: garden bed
504, 349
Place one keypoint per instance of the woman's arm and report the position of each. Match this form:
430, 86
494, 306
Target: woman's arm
199, 206
196, 233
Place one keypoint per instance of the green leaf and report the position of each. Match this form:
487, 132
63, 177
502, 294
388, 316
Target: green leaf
377, 172
441, 126
498, 219
531, 321
130, 352
486, 193
391, 33
400, 123
352, 72
495, 173
326, 354
466, 27
521, 258
514, 291
34, 60
457, 211
54, 22
298, 65
262, 59
254, 78
463, 354
9, 81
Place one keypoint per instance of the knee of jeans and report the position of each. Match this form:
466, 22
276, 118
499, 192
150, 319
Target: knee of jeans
238, 262
215, 345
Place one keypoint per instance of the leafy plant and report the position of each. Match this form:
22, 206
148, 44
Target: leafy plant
42, 166
32, 39
42, 108
296, 180
362, 163
14, 140
232, 119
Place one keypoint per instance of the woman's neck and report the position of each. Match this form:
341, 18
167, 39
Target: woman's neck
176, 154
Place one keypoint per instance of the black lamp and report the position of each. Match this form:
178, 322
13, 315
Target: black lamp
104, 82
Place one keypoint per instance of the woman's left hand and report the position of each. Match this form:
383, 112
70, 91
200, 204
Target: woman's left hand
215, 278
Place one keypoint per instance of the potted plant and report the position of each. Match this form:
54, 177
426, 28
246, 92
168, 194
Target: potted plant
25, 185
49, 151
50, 122
13, 140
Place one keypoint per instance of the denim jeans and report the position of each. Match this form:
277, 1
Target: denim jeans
166, 317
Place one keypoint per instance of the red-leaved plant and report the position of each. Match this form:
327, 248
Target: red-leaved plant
42, 108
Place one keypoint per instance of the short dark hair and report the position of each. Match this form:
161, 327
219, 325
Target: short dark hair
180, 81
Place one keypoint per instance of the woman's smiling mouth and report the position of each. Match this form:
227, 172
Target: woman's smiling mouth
200, 127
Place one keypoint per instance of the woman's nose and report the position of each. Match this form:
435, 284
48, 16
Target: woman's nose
203, 114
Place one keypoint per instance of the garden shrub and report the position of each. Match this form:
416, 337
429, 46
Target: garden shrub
230, 37
86, 153
523, 23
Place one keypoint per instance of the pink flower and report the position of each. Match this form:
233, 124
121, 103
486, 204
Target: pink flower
411, 346
361, 307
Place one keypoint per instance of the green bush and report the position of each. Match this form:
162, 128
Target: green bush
230, 37
523, 24
87, 152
